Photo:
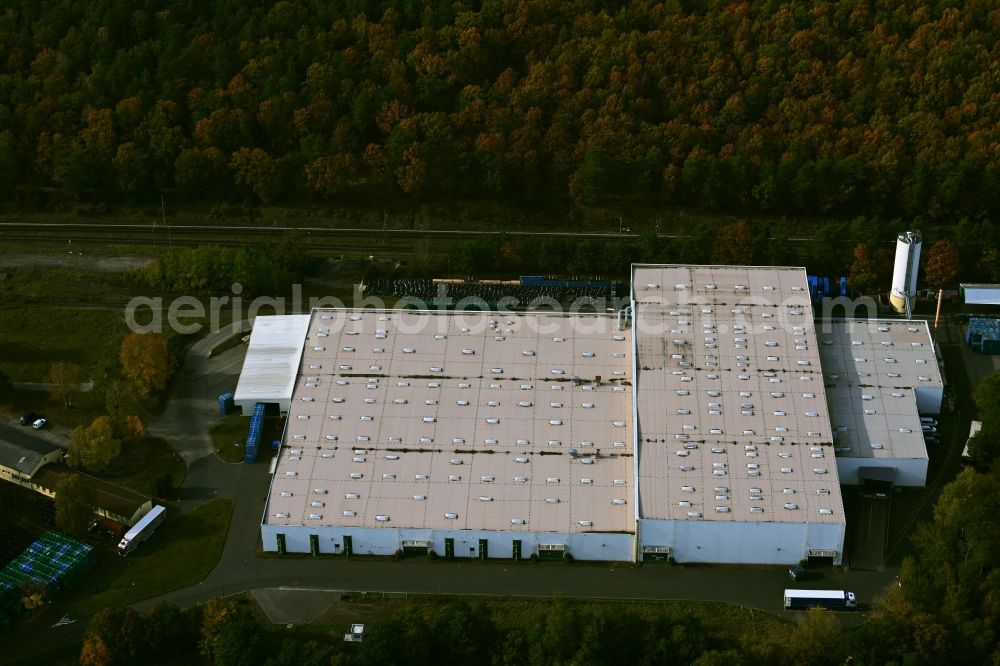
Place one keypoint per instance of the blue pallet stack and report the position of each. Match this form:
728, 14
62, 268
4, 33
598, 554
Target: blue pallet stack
983, 335
226, 404
256, 422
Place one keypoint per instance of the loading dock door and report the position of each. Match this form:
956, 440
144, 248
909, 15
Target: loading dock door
449, 548
551, 551
412, 547
655, 553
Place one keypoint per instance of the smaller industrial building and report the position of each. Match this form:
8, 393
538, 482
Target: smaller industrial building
37, 465
21, 456
880, 375
272, 362
980, 294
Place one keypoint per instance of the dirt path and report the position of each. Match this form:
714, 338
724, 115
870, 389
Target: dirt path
84, 387
75, 259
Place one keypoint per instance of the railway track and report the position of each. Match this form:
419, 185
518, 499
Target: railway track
354, 242
74, 231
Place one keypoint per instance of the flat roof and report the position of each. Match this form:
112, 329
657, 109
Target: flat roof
459, 420
272, 359
980, 294
871, 369
732, 415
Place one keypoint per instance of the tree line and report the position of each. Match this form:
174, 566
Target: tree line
822, 108
861, 249
269, 268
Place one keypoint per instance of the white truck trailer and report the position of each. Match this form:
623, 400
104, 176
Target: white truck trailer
831, 599
141, 530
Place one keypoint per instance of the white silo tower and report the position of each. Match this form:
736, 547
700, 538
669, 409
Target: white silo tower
904, 272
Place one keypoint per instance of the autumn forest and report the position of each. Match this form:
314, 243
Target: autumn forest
859, 107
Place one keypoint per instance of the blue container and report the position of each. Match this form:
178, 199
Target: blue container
256, 424
226, 404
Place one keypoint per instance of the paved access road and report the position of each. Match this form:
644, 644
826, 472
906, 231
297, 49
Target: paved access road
193, 408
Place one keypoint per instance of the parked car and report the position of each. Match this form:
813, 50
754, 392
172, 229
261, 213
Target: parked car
927, 420
28, 419
39, 424
798, 573
929, 429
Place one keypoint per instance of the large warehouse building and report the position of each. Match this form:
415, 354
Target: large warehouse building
693, 424
736, 460
470, 434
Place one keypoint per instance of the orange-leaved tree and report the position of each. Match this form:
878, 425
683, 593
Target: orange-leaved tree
943, 264
145, 359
